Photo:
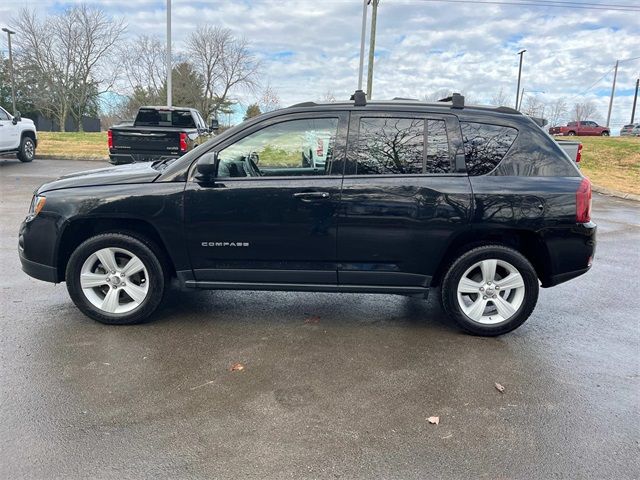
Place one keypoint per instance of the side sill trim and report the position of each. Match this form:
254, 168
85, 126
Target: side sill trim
305, 287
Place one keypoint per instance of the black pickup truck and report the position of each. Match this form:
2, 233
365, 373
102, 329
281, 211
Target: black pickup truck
158, 133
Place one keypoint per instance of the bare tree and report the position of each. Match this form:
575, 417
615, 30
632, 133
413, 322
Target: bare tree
500, 98
328, 97
224, 62
584, 111
143, 61
66, 56
557, 112
269, 100
533, 106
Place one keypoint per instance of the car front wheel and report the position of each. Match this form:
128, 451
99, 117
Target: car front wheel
115, 279
490, 290
27, 150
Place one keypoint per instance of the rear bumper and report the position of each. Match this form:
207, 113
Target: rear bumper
123, 158
573, 255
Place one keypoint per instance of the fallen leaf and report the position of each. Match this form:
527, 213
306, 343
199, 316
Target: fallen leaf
434, 420
314, 319
499, 387
237, 367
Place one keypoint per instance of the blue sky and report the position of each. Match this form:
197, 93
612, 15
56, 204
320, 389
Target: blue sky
311, 48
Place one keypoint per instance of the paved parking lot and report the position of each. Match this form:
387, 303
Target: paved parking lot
334, 385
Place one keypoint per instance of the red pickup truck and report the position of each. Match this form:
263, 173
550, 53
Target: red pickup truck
585, 128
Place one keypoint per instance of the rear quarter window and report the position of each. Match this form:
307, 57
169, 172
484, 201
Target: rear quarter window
485, 145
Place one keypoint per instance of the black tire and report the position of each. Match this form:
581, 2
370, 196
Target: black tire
27, 150
449, 290
140, 247
605, 134
571, 134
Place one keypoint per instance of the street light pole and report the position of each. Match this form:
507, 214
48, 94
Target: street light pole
372, 48
169, 100
613, 91
13, 80
521, 53
363, 34
635, 100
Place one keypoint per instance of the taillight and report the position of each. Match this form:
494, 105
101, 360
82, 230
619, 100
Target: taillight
583, 201
110, 139
183, 142
579, 154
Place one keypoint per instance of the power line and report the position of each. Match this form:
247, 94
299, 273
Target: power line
531, 3
585, 3
593, 84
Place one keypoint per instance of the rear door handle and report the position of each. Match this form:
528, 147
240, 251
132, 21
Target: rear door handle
309, 196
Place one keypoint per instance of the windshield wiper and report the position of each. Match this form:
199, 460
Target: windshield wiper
162, 163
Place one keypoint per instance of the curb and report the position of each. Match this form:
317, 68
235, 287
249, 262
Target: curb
80, 159
615, 193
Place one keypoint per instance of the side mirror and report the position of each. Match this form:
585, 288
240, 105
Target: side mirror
214, 125
16, 118
206, 167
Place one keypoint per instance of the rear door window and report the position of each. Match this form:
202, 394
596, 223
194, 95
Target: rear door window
485, 145
401, 146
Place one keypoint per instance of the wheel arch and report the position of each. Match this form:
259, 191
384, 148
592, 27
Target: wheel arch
79, 230
526, 242
31, 134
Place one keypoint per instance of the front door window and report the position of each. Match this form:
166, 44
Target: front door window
291, 148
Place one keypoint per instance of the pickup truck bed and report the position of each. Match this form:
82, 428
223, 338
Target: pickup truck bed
156, 134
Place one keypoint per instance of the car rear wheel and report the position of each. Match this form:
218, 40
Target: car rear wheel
116, 279
27, 150
571, 134
490, 290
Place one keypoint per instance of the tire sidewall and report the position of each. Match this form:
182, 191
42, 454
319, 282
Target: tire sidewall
465, 261
137, 247
22, 156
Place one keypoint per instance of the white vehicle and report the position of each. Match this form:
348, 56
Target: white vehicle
17, 135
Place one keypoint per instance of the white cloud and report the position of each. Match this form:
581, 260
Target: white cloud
309, 48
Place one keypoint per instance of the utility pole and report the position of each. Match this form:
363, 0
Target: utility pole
13, 80
613, 91
169, 100
521, 53
635, 99
372, 48
364, 33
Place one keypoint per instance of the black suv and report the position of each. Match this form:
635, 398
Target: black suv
388, 197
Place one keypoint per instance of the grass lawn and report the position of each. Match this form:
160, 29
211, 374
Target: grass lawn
80, 145
612, 162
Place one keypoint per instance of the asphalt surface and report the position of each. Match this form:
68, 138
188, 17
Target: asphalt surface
333, 386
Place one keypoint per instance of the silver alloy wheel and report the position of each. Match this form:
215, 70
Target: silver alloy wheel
114, 280
491, 291
29, 148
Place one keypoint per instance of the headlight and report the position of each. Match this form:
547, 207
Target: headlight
37, 204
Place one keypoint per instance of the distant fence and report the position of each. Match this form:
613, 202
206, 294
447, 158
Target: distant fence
44, 124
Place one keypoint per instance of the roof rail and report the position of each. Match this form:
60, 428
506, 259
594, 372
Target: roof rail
457, 100
405, 99
303, 104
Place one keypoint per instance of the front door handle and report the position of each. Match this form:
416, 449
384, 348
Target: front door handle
309, 196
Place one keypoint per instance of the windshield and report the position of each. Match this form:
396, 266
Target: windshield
151, 117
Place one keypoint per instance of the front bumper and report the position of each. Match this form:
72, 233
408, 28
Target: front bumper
36, 252
38, 270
